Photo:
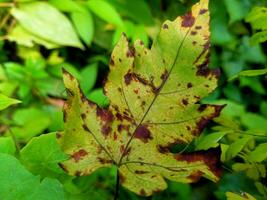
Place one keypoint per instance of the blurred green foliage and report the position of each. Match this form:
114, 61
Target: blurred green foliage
38, 38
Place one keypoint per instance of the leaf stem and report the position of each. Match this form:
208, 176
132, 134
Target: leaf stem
117, 189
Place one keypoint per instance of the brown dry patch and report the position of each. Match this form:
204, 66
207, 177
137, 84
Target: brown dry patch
77, 156
143, 134
188, 20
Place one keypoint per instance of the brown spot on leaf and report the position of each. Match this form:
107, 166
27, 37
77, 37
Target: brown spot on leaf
189, 85
210, 157
111, 62
194, 42
119, 60
122, 178
141, 42
195, 176
105, 115
198, 27
193, 33
165, 26
130, 53
163, 149
119, 116
164, 76
188, 20
140, 172
136, 91
127, 78
106, 129
205, 120
143, 133
202, 11
78, 173
104, 161
77, 156
58, 135
142, 192
185, 102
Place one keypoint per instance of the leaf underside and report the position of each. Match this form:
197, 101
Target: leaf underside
154, 99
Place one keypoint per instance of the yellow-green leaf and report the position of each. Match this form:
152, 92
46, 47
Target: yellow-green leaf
242, 196
154, 99
7, 101
43, 20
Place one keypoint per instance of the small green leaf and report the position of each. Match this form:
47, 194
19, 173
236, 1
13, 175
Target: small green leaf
237, 9
84, 24
42, 154
210, 140
25, 38
7, 101
242, 196
88, 77
29, 123
257, 17
97, 96
105, 11
259, 154
66, 5
258, 37
45, 21
236, 147
255, 72
254, 121
7, 145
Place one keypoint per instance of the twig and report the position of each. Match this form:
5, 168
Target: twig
116, 196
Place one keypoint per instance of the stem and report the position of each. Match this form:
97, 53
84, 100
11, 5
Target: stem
116, 196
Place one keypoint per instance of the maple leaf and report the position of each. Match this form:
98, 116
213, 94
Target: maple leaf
154, 104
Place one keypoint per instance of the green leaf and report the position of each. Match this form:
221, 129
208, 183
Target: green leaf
5, 101
236, 147
30, 122
259, 154
242, 196
45, 21
66, 5
25, 38
237, 9
17, 183
88, 77
137, 10
83, 22
254, 121
105, 11
259, 37
257, 17
152, 92
42, 154
97, 96
255, 72
7, 145
210, 141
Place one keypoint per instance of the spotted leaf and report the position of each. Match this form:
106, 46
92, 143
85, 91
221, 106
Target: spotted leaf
154, 99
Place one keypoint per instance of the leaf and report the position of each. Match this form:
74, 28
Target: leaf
255, 72
46, 22
42, 154
154, 95
7, 145
17, 183
83, 22
66, 5
30, 122
237, 9
210, 141
25, 38
105, 11
5, 101
88, 77
242, 196
259, 154
257, 17
236, 147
